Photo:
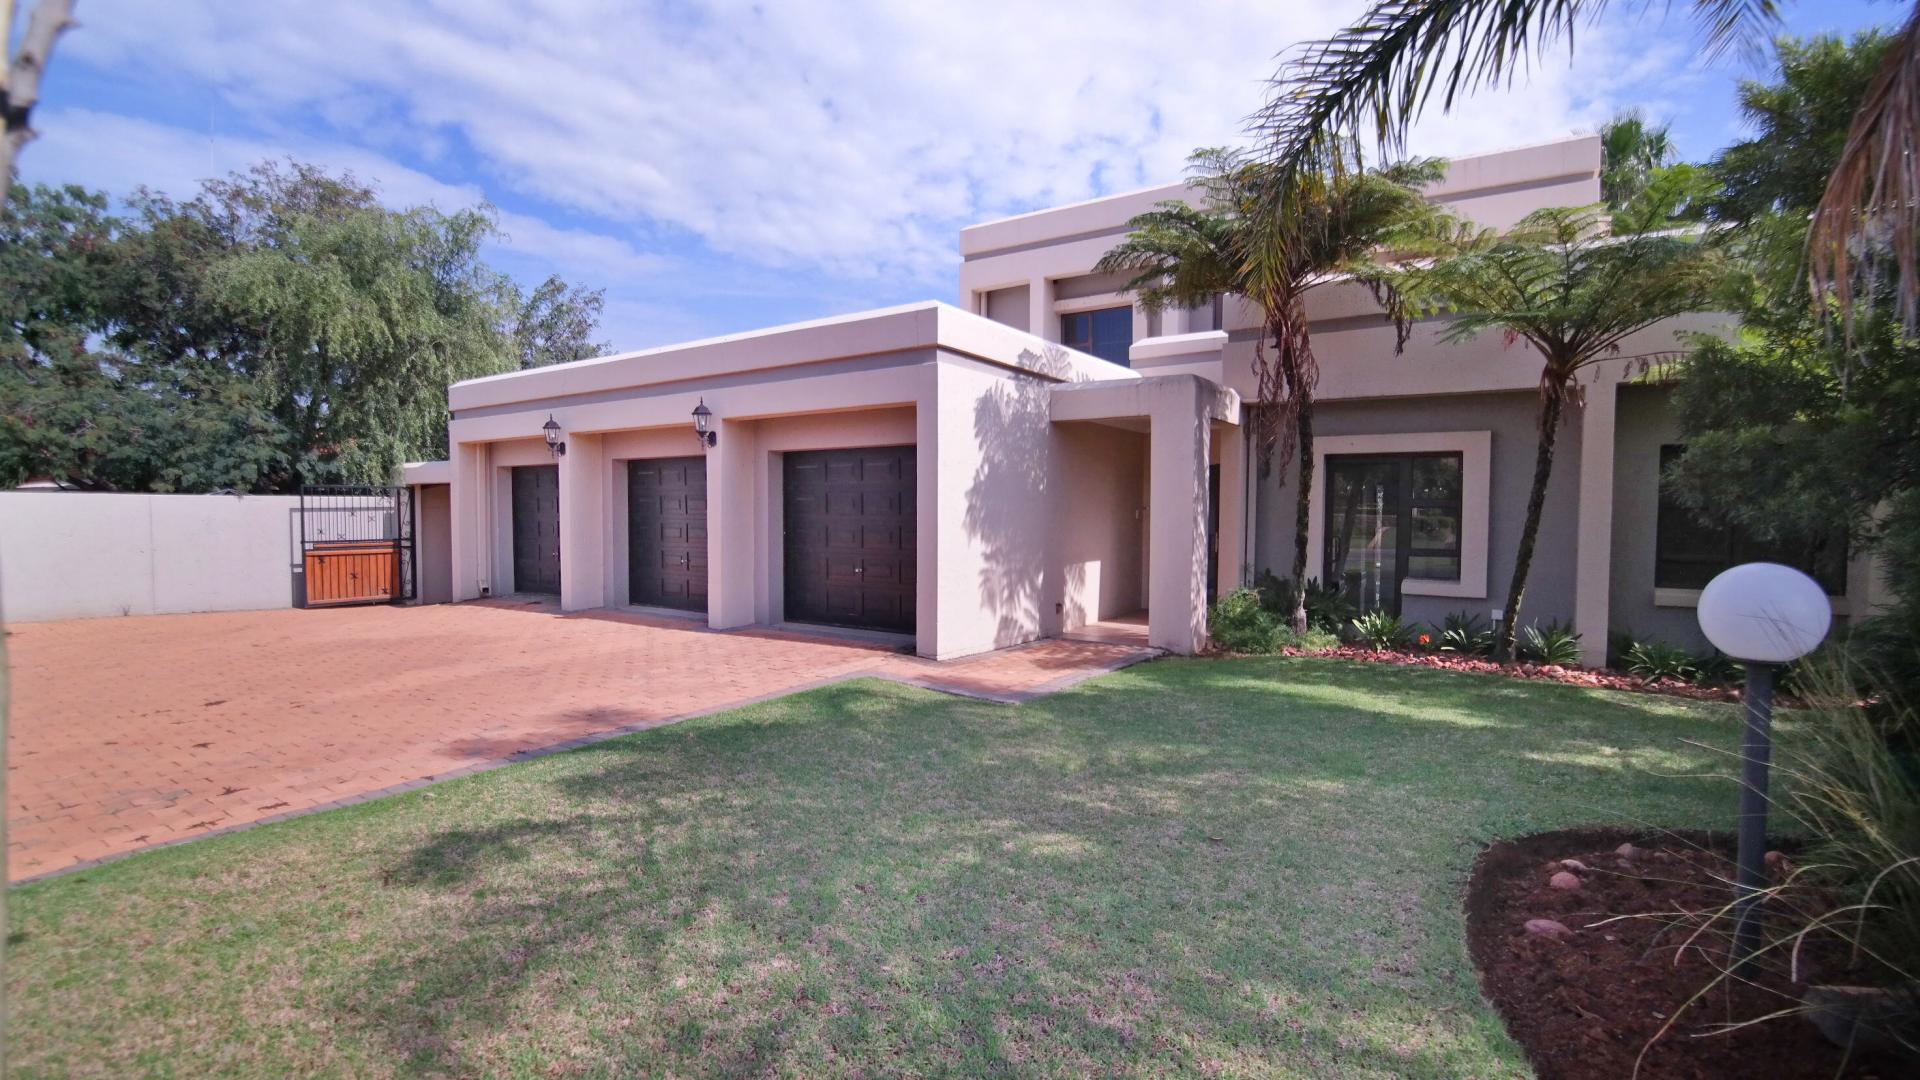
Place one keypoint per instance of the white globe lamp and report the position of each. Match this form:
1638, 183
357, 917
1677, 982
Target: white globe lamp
1764, 615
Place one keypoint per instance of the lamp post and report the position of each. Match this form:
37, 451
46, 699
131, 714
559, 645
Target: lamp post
1763, 615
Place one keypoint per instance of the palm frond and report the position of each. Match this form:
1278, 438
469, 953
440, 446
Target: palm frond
1381, 71
1865, 223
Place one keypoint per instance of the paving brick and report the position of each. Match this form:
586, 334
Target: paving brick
300, 710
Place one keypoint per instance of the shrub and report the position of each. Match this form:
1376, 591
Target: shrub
1380, 630
1658, 660
1327, 606
1240, 623
1551, 644
1314, 640
1466, 633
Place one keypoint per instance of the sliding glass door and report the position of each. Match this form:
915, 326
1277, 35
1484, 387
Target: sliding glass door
1389, 518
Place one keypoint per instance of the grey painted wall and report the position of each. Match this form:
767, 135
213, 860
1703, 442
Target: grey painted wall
1010, 306
1510, 417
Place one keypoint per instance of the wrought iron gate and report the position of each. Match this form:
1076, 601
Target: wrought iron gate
356, 544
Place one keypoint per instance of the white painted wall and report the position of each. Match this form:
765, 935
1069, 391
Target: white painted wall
73, 555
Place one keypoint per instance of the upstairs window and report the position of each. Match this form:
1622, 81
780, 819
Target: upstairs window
1106, 333
1688, 553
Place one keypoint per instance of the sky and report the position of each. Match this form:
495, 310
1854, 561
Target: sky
722, 165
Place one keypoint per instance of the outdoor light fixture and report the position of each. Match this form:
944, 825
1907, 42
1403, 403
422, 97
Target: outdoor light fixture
552, 428
703, 424
1763, 615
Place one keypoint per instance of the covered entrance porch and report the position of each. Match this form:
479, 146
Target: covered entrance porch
1149, 527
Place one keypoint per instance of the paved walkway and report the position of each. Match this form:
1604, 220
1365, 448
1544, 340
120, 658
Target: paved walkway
129, 733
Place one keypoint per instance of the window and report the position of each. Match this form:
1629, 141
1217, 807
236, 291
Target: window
1688, 553
1106, 333
1391, 517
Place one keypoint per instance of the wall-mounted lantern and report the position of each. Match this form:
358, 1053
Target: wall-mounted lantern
703, 424
552, 429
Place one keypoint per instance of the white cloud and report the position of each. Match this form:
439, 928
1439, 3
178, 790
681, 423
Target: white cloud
120, 153
842, 141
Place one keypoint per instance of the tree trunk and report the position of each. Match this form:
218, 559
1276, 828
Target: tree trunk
1302, 514
1553, 401
20, 77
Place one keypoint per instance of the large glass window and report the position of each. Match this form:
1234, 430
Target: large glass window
1688, 553
1391, 517
1106, 333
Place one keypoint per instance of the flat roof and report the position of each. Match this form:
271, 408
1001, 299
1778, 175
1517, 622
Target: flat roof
908, 327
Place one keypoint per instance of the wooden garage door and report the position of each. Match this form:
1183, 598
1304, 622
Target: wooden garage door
850, 537
667, 533
536, 528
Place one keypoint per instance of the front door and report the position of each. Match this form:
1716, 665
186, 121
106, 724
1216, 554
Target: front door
667, 533
1363, 531
536, 529
850, 537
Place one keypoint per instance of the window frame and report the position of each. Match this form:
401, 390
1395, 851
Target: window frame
1736, 548
1405, 503
1090, 314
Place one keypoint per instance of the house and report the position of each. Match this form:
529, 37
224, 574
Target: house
1046, 455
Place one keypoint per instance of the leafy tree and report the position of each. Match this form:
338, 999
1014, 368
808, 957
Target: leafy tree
1800, 121
556, 323
1575, 292
1383, 69
1240, 242
279, 328
1631, 152
91, 416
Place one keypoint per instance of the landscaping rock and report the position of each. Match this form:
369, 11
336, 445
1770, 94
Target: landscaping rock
1548, 928
1626, 851
1877, 1018
1574, 865
1564, 881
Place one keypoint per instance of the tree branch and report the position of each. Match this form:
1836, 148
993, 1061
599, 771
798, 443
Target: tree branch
20, 80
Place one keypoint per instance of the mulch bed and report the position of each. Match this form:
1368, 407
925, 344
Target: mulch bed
1573, 676
1586, 1003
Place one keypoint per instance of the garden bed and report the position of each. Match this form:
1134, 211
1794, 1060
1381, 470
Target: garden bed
1572, 676
1587, 1001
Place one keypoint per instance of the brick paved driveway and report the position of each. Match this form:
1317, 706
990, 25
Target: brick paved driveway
127, 733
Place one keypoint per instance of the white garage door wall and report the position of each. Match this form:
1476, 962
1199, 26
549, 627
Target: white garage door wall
73, 555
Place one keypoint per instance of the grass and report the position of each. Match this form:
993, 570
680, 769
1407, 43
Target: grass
1240, 867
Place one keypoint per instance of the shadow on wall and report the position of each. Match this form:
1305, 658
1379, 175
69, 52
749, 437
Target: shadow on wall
1010, 510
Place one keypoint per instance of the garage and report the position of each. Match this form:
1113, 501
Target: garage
536, 529
850, 537
667, 533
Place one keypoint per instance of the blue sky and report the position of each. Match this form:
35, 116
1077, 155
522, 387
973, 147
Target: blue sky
719, 165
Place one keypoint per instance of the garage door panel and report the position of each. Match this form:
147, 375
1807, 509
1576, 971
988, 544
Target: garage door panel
850, 552
667, 533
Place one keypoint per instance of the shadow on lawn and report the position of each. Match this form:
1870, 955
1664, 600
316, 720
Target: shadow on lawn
1127, 877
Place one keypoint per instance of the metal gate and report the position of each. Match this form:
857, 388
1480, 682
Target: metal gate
356, 544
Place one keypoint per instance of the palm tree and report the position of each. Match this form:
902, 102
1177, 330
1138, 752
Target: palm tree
1631, 152
1397, 58
1562, 283
1236, 244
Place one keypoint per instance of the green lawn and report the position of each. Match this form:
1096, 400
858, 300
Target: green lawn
1210, 867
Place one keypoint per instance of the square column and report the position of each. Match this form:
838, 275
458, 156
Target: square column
1177, 567
1593, 558
467, 501
583, 524
731, 576
1234, 508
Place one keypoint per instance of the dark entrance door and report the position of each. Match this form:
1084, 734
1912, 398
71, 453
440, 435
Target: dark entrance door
1213, 533
667, 533
536, 528
850, 538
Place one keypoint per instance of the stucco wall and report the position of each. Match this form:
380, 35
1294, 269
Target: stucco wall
433, 541
1099, 532
69, 555
1509, 417
1010, 306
